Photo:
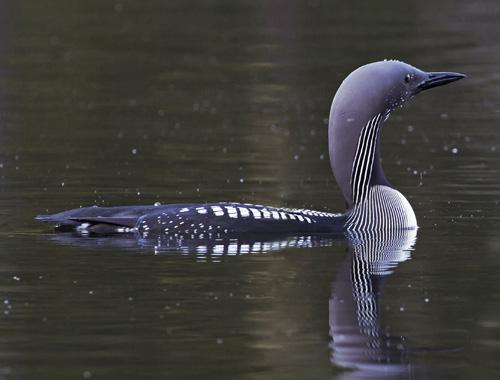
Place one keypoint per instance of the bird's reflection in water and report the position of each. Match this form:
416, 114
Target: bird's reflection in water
359, 341
203, 249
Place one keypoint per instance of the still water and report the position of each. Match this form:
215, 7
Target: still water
127, 102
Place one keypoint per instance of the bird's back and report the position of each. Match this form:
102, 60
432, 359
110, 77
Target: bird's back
195, 220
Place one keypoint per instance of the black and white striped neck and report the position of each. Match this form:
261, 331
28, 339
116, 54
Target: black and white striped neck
365, 158
375, 204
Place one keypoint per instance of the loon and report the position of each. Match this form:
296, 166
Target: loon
361, 105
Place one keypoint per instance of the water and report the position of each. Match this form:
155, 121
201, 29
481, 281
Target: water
126, 102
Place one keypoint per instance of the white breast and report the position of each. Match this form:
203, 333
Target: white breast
383, 208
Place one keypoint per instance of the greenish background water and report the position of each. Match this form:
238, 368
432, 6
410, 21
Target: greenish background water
190, 101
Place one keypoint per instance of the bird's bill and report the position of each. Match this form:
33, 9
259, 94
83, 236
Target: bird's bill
435, 79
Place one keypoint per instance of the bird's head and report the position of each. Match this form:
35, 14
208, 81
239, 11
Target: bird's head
370, 93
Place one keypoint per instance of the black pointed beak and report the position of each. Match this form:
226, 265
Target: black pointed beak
436, 79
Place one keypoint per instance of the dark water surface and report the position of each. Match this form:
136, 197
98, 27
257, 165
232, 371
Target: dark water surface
131, 102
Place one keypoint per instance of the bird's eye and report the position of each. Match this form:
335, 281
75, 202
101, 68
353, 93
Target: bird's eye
407, 78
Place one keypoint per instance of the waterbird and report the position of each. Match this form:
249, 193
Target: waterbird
361, 105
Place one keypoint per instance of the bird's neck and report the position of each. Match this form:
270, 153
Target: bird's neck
354, 147
378, 175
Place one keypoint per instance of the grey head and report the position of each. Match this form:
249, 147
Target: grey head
362, 103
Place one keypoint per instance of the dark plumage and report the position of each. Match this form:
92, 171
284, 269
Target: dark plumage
361, 105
